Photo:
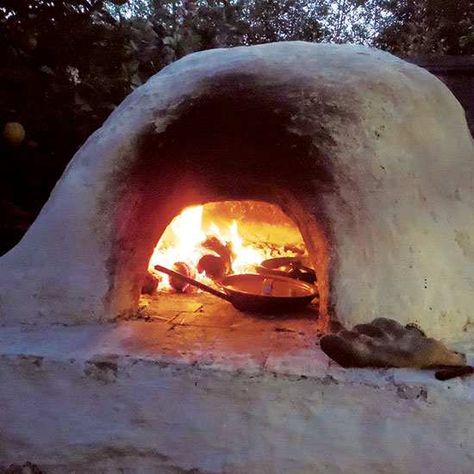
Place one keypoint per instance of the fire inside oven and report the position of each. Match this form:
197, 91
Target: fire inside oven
248, 252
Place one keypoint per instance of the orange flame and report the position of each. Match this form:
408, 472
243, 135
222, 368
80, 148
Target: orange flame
183, 238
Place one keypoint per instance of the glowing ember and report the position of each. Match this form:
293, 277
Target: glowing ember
187, 239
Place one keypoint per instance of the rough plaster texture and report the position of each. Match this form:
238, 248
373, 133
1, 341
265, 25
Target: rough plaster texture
370, 155
85, 399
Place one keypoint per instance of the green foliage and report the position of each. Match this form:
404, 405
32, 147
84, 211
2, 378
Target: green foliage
282, 20
186, 26
64, 67
427, 27
355, 21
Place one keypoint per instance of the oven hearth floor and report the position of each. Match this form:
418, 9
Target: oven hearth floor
204, 327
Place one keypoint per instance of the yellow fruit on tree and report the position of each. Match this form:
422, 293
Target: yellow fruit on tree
31, 43
14, 133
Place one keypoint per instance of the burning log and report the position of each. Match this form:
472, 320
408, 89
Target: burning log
215, 251
177, 283
214, 266
296, 249
150, 283
224, 251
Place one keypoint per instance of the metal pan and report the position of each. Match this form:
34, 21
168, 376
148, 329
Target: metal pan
292, 267
257, 293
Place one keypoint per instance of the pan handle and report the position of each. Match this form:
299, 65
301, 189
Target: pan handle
195, 283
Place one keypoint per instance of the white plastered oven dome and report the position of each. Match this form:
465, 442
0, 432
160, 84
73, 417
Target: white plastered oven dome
371, 157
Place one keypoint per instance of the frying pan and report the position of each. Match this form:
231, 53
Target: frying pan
256, 293
287, 266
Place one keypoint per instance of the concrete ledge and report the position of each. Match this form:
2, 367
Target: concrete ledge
74, 400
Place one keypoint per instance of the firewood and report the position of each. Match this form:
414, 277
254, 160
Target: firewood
177, 283
150, 283
222, 250
213, 266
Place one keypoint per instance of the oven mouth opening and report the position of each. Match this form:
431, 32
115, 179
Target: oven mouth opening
246, 248
258, 254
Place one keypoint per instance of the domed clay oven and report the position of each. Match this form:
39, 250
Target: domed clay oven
370, 156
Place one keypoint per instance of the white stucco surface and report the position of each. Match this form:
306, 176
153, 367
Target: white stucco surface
75, 399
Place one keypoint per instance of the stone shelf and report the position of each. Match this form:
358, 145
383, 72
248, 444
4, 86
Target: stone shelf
185, 391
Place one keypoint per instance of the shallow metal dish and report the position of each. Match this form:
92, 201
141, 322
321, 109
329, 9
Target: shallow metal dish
257, 293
